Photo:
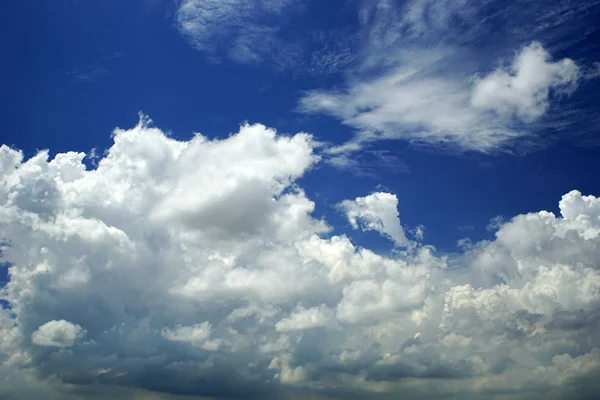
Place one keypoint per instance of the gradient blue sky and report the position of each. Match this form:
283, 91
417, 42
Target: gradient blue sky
454, 246
75, 70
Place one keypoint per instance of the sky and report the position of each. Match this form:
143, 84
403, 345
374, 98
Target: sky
299, 199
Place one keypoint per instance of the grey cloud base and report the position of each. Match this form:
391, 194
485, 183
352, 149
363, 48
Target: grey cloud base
197, 268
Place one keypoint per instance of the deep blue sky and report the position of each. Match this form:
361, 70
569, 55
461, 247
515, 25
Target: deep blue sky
72, 71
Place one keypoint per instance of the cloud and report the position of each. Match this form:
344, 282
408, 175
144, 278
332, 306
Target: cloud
304, 319
525, 88
57, 334
246, 31
376, 212
179, 267
419, 232
196, 335
415, 101
265, 32
495, 223
428, 74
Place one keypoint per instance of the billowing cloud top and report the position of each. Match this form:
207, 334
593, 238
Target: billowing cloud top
377, 212
196, 267
57, 333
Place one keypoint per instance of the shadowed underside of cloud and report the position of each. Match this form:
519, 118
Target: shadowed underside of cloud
196, 267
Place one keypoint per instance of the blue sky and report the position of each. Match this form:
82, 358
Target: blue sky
76, 70
463, 110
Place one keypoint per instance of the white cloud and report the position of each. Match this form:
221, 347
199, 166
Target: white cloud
174, 260
197, 335
524, 89
419, 232
416, 100
244, 29
304, 319
57, 334
376, 212
428, 74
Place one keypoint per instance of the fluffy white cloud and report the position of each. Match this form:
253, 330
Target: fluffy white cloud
376, 212
183, 266
525, 88
57, 334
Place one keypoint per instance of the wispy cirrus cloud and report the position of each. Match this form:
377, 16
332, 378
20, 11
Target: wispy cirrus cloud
245, 31
415, 102
96, 70
258, 32
456, 74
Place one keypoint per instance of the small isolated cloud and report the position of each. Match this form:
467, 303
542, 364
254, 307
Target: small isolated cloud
246, 31
376, 212
178, 267
89, 74
495, 223
96, 70
524, 88
57, 334
419, 232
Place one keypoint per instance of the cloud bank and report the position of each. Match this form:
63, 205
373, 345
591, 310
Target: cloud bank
197, 268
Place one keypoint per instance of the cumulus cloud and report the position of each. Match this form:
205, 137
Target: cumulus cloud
196, 335
524, 89
303, 319
57, 334
179, 267
376, 212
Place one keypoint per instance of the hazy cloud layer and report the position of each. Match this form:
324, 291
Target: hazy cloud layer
197, 267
